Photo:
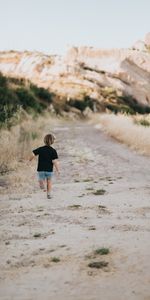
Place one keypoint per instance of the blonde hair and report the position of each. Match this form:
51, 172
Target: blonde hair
49, 139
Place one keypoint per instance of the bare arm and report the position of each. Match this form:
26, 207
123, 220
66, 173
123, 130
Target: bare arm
31, 157
56, 165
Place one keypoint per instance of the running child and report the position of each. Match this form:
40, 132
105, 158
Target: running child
47, 159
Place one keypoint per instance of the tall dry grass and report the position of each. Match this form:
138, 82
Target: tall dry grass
16, 146
128, 130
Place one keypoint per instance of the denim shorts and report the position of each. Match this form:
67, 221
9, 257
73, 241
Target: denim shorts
42, 175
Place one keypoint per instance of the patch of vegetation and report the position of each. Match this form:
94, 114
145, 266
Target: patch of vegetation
102, 251
137, 107
101, 207
8, 100
126, 104
74, 206
99, 192
19, 94
98, 264
121, 104
55, 259
143, 122
92, 227
37, 234
120, 109
97, 252
28, 100
82, 104
41, 93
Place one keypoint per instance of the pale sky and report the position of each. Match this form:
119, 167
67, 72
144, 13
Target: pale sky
52, 26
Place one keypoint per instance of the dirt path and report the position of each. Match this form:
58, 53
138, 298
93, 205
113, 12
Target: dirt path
101, 200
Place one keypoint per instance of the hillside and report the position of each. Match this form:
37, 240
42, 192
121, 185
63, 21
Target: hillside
18, 95
117, 79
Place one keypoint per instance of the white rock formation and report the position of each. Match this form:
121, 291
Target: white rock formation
84, 70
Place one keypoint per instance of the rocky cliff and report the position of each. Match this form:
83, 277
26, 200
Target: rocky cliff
96, 73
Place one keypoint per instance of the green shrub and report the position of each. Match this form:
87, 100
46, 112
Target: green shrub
143, 122
19, 92
41, 93
27, 100
98, 264
7, 112
134, 105
82, 104
3, 81
8, 100
116, 108
127, 104
55, 259
102, 251
7, 96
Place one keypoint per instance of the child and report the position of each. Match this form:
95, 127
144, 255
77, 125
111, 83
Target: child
47, 158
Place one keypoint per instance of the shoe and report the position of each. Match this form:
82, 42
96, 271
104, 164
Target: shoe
49, 197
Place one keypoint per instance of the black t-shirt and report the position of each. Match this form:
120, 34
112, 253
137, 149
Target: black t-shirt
45, 156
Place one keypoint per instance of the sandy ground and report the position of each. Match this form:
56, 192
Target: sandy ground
47, 245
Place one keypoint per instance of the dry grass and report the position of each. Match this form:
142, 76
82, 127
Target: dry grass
128, 130
16, 146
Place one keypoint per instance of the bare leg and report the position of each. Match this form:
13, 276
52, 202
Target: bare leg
49, 186
41, 183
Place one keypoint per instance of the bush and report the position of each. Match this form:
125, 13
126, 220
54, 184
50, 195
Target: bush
7, 96
41, 93
19, 92
133, 104
8, 100
82, 104
102, 251
7, 112
27, 100
116, 108
3, 81
143, 122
